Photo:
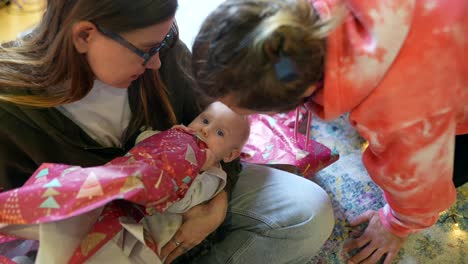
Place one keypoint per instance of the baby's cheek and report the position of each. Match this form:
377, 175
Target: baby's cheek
212, 145
224, 147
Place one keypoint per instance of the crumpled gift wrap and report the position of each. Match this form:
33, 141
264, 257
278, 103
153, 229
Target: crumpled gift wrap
154, 174
273, 141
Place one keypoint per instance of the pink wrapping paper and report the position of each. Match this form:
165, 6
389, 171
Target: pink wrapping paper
5, 260
107, 227
272, 141
154, 174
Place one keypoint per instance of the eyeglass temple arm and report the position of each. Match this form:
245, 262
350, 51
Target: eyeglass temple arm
123, 42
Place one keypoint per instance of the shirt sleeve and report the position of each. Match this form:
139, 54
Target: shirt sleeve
413, 165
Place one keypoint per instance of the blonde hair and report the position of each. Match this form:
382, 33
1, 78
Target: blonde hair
43, 69
239, 44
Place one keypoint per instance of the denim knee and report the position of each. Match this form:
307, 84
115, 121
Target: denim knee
284, 211
309, 221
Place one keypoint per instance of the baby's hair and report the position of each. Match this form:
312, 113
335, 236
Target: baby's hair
241, 43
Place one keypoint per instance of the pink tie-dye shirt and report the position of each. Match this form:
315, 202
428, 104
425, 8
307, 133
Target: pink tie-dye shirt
399, 67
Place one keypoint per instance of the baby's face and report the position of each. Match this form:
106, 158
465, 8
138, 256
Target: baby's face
222, 130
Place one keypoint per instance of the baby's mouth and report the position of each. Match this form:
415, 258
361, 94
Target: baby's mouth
200, 137
201, 143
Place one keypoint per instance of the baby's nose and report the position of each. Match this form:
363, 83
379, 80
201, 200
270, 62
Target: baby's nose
204, 131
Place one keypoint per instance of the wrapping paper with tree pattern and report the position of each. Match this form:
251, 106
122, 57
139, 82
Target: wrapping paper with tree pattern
154, 174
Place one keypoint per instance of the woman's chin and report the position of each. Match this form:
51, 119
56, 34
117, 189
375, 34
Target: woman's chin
123, 85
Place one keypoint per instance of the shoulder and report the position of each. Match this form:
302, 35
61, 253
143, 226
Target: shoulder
33, 116
9, 112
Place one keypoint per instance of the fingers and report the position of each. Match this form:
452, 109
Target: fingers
177, 252
371, 255
169, 247
374, 243
390, 256
365, 217
176, 247
356, 243
363, 254
375, 257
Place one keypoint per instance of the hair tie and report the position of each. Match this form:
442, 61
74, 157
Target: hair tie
285, 69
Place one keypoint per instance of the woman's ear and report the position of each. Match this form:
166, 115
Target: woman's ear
82, 33
232, 156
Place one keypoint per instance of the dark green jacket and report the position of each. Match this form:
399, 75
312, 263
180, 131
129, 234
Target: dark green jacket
31, 136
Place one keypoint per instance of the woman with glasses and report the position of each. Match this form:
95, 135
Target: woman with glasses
91, 76
397, 66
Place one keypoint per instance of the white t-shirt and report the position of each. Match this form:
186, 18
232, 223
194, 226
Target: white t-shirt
104, 113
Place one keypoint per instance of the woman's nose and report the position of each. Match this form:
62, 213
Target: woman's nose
154, 63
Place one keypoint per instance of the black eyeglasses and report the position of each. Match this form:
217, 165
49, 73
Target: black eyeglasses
146, 56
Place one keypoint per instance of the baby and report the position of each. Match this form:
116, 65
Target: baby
224, 133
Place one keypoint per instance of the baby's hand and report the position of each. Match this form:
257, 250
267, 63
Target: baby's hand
210, 159
186, 129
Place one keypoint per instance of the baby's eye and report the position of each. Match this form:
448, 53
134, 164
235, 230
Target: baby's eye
220, 133
205, 121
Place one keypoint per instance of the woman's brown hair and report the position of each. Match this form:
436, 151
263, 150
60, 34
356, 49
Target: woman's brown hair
240, 44
43, 69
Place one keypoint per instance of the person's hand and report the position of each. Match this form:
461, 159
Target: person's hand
198, 223
375, 242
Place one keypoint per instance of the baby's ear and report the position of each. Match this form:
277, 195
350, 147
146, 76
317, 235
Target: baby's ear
232, 156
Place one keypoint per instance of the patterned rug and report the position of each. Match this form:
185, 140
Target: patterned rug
353, 192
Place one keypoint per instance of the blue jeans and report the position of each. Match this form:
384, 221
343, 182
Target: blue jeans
277, 217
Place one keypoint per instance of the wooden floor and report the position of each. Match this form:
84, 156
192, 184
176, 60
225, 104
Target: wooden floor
14, 20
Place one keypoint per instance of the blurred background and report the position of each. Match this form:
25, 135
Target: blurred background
17, 16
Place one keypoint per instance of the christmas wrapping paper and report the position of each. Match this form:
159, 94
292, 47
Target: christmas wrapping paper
273, 141
152, 176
